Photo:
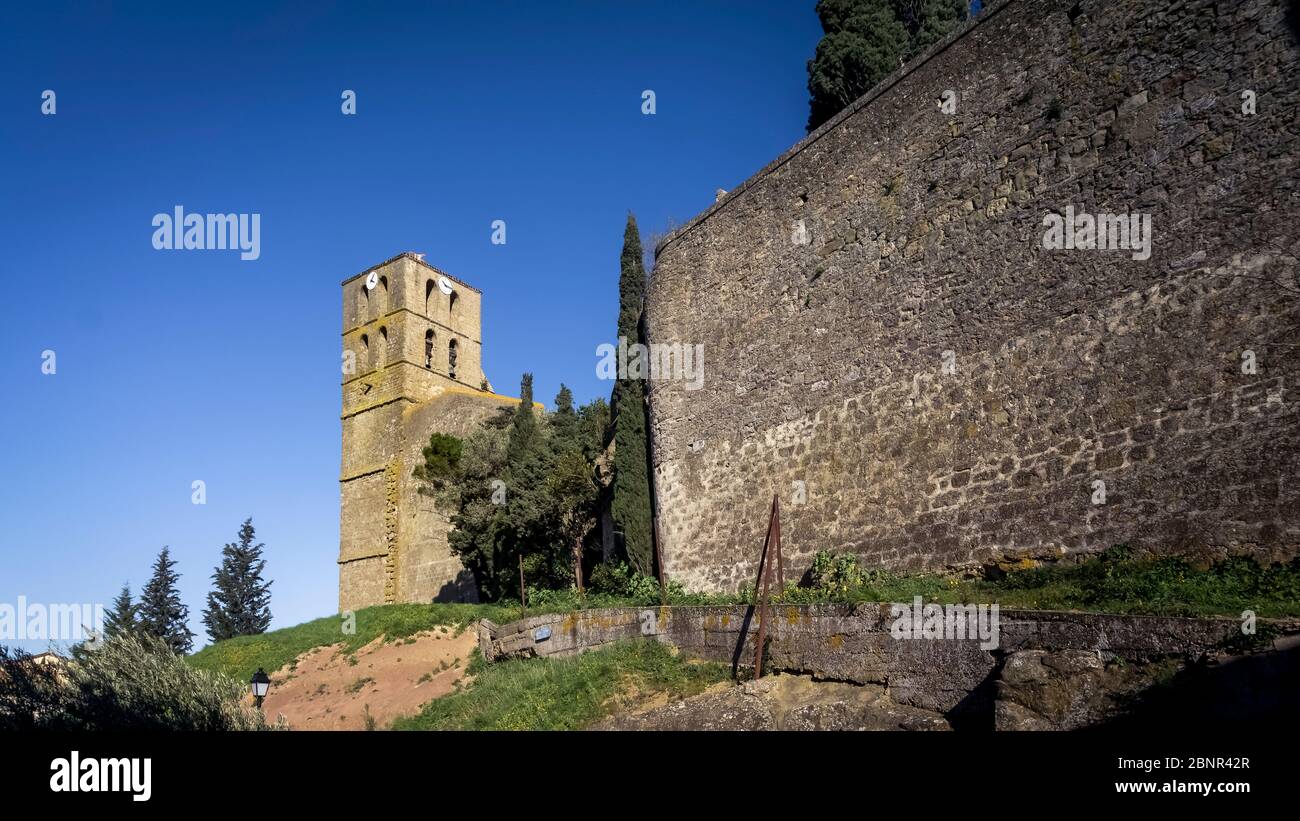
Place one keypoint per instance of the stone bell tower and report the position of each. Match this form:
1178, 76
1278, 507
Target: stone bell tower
411, 366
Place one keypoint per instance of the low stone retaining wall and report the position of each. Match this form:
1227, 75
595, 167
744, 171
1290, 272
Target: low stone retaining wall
854, 643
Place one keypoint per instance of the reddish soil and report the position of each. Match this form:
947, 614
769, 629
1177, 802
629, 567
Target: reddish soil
326, 689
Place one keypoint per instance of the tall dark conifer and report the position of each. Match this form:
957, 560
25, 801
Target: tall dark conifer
121, 617
162, 614
565, 424
867, 40
523, 431
631, 506
240, 601
528, 513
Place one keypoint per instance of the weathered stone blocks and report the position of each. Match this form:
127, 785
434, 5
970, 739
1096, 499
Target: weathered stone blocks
948, 391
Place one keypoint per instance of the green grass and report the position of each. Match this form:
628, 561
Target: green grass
1116, 582
566, 693
240, 657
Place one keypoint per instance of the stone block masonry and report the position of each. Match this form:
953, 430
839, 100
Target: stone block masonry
893, 351
854, 643
416, 370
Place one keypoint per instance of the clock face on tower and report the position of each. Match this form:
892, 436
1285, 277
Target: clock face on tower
444, 285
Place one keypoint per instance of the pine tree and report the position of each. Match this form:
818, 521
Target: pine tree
122, 616
573, 490
162, 614
441, 457
239, 603
475, 496
632, 505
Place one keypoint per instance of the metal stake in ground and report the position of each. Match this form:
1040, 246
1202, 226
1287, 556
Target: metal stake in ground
523, 595
771, 542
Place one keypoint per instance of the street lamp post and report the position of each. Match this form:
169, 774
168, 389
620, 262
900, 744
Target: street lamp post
261, 682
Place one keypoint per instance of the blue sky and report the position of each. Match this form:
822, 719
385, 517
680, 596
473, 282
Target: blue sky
174, 366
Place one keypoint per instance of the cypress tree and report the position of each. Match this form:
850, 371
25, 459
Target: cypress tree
526, 518
162, 614
121, 617
565, 430
594, 428
631, 506
523, 430
865, 41
240, 602
934, 20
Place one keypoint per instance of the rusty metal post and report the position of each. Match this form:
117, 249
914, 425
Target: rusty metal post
663, 582
523, 596
770, 543
776, 530
577, 566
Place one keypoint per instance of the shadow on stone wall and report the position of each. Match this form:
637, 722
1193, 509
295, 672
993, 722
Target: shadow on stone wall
1259, 691
975, 712
460, 589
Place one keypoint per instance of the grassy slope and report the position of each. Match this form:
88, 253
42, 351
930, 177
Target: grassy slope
240, 657
566, 693
1115, 583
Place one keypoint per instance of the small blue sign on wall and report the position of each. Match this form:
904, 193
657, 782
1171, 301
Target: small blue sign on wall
541, 634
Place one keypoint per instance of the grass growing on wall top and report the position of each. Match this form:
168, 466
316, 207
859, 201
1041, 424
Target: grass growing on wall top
1115, 582
565, 693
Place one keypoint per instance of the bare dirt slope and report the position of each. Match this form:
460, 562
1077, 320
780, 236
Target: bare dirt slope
326, 689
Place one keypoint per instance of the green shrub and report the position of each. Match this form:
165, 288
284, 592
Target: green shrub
836, 575
131, 683
619, 580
